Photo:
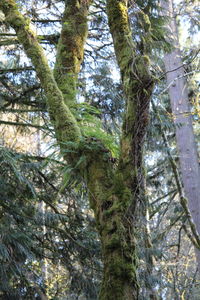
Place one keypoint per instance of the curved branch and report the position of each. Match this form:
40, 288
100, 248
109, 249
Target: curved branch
65, 125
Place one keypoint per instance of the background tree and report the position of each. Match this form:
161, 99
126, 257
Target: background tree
182, 116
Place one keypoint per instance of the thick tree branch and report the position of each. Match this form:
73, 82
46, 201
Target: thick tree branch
70, 49
64, 122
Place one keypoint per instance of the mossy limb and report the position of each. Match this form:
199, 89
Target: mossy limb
70, 49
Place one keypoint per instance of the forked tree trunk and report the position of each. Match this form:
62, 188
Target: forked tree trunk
178, 92
116, 192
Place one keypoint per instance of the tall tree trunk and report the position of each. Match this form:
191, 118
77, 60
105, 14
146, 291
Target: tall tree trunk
188, 156
119, 243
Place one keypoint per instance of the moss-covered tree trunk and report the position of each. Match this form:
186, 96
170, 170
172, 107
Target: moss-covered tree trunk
122, 211
116, 194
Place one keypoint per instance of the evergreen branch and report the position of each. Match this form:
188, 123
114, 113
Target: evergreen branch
47, 180
44, 21
12, 110
177, 78
23, 124
17, 70
182, 66
51, 38
191, 238
184, 204
39, 158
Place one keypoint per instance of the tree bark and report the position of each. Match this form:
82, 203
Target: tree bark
178, 93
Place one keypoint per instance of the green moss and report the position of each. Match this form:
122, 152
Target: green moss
144, 21
119, 183
113, 242
142, 64
65, 124
70, 50
119, 279
120, 268
121, 33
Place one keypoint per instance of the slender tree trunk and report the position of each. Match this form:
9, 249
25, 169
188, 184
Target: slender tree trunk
182, 117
